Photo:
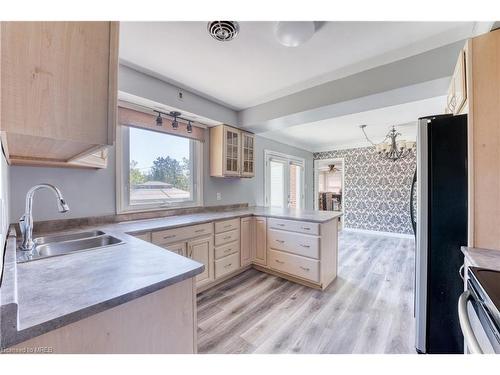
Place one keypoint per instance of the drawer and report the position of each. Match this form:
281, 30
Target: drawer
227, 265
300, 244
295, 265
225, 250
180, 234
227, 225
294, 226
226, 237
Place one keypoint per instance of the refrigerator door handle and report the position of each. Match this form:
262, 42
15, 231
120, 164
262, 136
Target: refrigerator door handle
468, 332
412, 214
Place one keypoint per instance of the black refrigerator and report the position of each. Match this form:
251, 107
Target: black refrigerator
441, 230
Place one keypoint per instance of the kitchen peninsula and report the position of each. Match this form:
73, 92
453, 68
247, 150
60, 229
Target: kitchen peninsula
143, 289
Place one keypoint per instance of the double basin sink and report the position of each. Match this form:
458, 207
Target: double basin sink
51, 246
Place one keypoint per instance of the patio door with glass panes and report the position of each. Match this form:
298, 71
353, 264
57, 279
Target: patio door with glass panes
284, 177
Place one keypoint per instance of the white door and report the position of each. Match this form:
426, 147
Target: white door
284, 181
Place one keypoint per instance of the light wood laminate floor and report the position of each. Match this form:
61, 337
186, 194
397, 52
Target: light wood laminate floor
367, 309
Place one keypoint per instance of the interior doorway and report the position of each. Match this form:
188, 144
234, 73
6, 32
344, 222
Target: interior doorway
329, 192
284, 180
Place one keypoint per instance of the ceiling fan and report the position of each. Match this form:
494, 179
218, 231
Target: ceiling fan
332, 168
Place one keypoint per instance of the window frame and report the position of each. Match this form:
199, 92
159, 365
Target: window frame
123, 175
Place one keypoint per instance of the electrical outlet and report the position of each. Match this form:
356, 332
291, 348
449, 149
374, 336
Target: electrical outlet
219, 196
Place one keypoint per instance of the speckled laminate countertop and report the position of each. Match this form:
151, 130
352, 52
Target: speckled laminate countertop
483, 258
46, 294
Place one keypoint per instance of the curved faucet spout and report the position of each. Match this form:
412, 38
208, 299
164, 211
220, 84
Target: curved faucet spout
26, 221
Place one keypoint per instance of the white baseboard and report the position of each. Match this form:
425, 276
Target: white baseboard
375, 232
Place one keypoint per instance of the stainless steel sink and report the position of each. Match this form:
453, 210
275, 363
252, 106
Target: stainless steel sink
52, 246
67, 237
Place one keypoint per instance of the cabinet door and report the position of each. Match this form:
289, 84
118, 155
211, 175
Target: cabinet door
179, 248
58, 88
459, 86
247, 244
260, 241
232, 139
202, 251
247, 155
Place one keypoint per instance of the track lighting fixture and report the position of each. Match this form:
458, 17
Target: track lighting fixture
175, 123
159, 119
189, 127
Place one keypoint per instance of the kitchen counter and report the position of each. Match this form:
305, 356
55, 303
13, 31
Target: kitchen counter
483, 258
46, 294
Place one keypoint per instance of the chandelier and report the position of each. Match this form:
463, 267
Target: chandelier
392, 148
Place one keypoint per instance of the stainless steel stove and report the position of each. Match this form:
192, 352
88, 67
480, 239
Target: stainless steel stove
479, 311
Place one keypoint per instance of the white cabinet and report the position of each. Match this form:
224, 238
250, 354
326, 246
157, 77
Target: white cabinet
260, 256
247, 154
232, 152
247, 243
201, 250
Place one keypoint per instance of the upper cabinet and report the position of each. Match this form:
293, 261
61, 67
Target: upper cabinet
232, 152
457, 91
58, 91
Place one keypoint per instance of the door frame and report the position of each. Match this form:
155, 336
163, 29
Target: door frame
289, 159
316, 180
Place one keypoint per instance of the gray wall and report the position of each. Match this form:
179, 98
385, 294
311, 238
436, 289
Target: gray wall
88, 192
376, 191
92, 192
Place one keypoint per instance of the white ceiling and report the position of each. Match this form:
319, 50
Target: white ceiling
254, 68
344, 131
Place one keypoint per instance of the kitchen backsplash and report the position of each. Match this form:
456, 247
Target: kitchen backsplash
376, 192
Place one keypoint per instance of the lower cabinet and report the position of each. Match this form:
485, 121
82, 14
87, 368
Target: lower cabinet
179, 248
201, 250
260, 255
247, 244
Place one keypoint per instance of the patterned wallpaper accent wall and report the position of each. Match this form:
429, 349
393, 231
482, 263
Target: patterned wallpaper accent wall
376, 191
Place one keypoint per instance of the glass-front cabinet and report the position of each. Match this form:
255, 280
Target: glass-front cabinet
232, 152
247, 154
232, 140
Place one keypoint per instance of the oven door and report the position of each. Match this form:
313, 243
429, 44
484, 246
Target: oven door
481, 335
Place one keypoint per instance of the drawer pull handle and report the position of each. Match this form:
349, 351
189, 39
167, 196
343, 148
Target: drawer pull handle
280, 241
169, 236
281, 225
305, 246
306, 228
279, 261
228, 265
227, 237
228, 226
305, 268
228, 250
199, 230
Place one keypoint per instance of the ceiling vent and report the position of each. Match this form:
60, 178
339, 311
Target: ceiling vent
223, 31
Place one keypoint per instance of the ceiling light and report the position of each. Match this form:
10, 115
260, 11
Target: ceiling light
189, 127
293, 34
395, 148
159, 120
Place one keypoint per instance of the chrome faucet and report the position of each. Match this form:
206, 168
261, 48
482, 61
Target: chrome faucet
26, 221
